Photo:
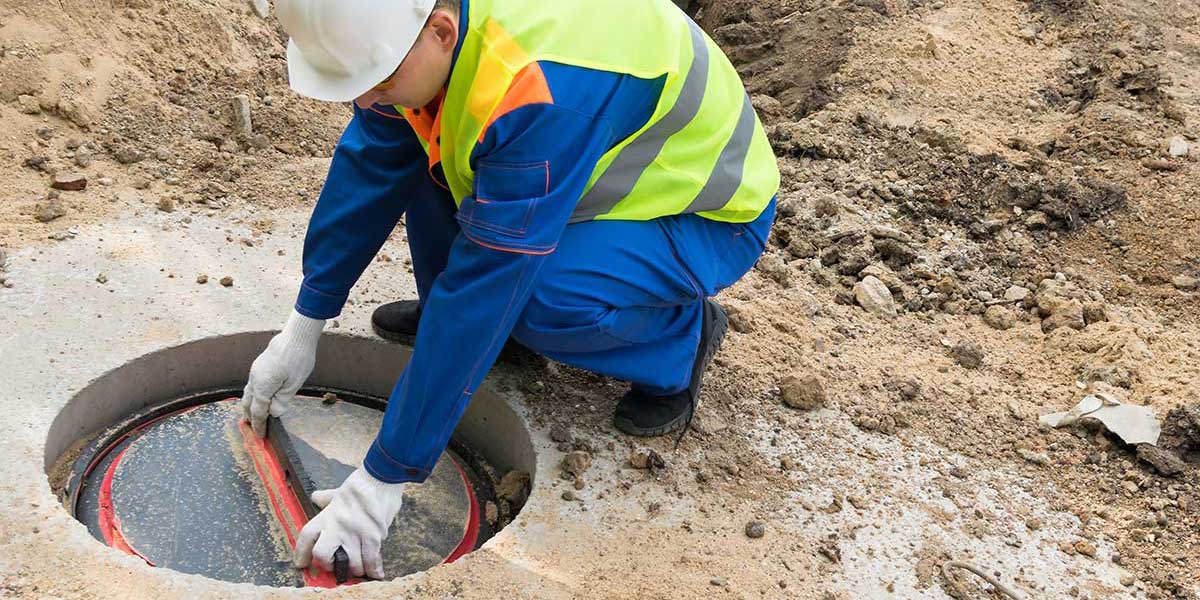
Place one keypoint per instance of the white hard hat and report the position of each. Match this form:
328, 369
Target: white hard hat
340, 49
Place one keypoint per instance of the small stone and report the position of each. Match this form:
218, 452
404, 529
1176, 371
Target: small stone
577, 462
28, 104
69, 182
227, 281
1158, 164
874, 296
1085, 548
646, 459
1164, 461
83, 157
1063, 313
719, 581
755, 529
1185, 282
1130, 486
1033, 523
569, 495
1094, 312
560, 433
330, 398
909, 389
105, 181
1037, 458
967, 354
804, 393
102, 278
1037, 220
49, 210
514, 488
166, 204
242, 125
999, 317
1177, 147
1127, 579
202, 279
1016, 293
45, 133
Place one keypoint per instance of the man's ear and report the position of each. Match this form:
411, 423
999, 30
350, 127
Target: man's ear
444, 25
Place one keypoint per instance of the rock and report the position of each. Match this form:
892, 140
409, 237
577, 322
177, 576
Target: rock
1016, 293
49, 210
895, 251
999, 317
1185, 282
242, 125
102, 278
826, 206
1128, 579
577, 462
1177, 147
69, 182
1037, 458
1094, 312
1037, 220
755, 530
45, 133
28, 104
128, 155
1158, 164
1063, 313
719, 581
202, 279
568, 495
560, 433
227, 281
83, 157
804, 393
514, 488
1085, 548
75, 112
909, 389
874, 296
166, 204
646, 459
967, 354
1164, 461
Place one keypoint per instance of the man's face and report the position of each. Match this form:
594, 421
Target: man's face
424, 71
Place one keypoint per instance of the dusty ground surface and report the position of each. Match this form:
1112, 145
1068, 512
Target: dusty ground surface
1021, 175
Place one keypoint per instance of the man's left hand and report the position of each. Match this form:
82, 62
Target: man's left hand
355, 517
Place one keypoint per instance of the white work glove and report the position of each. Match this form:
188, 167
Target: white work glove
356, 518
280, 370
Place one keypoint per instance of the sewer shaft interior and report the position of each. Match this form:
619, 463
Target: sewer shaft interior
186, 485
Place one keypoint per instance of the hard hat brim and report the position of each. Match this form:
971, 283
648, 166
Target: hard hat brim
308, 81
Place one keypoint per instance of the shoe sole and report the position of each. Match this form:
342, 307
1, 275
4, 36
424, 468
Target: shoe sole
394, 336
716, 335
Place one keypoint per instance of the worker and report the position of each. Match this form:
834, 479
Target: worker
581, 176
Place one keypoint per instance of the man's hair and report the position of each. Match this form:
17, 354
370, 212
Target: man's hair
454, 5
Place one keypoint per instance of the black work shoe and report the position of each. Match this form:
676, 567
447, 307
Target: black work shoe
398, 321
645, 415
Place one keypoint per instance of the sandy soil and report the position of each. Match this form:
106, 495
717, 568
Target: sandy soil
1013, 172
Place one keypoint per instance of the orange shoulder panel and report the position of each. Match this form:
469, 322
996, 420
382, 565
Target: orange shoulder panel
528, 87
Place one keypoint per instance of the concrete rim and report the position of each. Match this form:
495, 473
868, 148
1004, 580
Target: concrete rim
492, 425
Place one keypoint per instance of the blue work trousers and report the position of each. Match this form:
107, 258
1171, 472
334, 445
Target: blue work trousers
618, 298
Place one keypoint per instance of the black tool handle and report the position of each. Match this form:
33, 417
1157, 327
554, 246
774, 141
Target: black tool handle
341, 566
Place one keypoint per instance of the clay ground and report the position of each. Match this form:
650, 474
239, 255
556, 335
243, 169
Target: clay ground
1021, 176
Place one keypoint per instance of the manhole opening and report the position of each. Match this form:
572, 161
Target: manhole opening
185, 485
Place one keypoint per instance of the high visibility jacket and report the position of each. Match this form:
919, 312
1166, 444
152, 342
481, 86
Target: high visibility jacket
703, 151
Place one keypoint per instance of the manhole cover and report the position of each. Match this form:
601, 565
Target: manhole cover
187, 486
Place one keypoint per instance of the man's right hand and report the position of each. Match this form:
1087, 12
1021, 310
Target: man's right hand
279, 372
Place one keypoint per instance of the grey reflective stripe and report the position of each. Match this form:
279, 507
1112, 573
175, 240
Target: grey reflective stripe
622, 175
726, 176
